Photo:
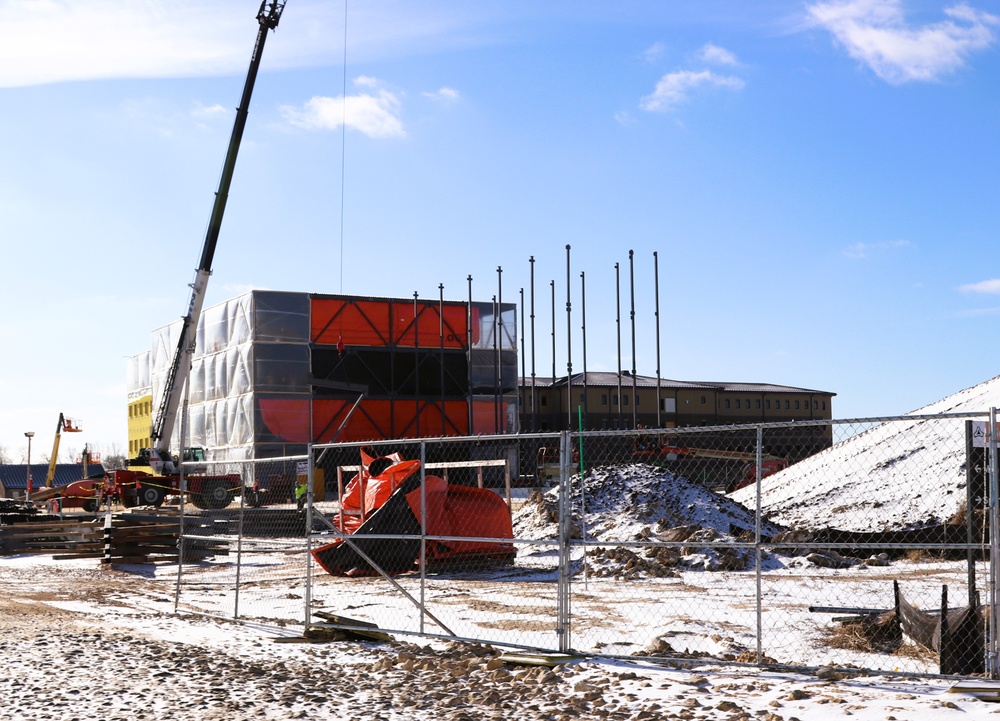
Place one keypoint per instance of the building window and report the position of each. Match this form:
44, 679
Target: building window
737, 402
604, 399
625, 399
637, 398
583, 397
815, 405
614, 399
788, 405
757, 403
727, 403
704, 400
796, 405
545, 400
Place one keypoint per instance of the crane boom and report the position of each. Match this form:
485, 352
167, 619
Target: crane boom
158, 457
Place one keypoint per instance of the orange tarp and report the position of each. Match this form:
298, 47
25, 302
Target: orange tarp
389, 322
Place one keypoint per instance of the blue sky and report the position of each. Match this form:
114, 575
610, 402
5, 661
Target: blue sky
819, 181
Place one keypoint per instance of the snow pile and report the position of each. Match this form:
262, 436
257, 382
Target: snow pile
639, 502
897, 475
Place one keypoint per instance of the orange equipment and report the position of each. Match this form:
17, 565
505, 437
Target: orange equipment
393, 502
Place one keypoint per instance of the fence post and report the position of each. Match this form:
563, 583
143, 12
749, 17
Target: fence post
994, 517
758, 555
310, 498
565, 556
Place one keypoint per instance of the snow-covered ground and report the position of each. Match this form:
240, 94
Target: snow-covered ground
85, 641
80, 641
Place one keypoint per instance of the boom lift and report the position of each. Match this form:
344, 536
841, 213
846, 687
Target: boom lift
207, 491
65, 425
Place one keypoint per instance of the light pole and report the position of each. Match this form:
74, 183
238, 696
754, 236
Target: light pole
29, 435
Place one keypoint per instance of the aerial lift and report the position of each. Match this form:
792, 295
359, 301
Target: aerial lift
206, 491
65, 425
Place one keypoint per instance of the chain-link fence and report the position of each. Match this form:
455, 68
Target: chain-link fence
259, 567
861, 544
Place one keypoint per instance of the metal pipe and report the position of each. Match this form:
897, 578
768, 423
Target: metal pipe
555, 395
468, 346
583, 330
534, 396
618, 325
569, 346
631, 278
656, 314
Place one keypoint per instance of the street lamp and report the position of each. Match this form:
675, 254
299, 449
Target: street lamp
29, 435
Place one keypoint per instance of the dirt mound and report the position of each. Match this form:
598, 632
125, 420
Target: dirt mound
639, 502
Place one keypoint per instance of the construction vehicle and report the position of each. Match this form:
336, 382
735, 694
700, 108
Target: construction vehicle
654, 450
137, 487
65, 425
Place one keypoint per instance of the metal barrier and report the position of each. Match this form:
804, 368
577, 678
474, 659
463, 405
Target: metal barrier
788, 544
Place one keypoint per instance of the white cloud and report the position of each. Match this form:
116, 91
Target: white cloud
623, 117
860, 251
445, 94
985, 287
376, 115
715, 55
59, 40
675, 88
654, 52
209, 112
875, 32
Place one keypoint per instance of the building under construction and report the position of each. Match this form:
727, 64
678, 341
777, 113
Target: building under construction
273, 371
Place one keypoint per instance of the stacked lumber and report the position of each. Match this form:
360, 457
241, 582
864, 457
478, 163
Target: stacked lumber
133, 539
129, 538
63, 538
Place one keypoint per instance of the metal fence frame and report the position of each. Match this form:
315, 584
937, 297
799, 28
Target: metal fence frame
416, 588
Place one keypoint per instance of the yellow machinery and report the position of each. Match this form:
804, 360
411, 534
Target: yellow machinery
65, 425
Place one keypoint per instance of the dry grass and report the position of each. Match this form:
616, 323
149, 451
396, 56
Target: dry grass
869, 634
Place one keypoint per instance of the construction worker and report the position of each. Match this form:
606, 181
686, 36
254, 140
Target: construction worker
300, 492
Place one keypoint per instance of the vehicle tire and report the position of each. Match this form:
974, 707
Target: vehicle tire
149, 495
91, 505
215, 494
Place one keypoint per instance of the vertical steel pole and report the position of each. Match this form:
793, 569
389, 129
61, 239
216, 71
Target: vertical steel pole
631, 281
565, 556
182, 487
970, 513
656, 314
524, 376
496, 353
423, 531
534, 395
416, 363
555, 394
239, 552
758, 552
618, 325
310, 499
441, 334
583, 331
991, 654
569, 346
498, 366
468, 333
